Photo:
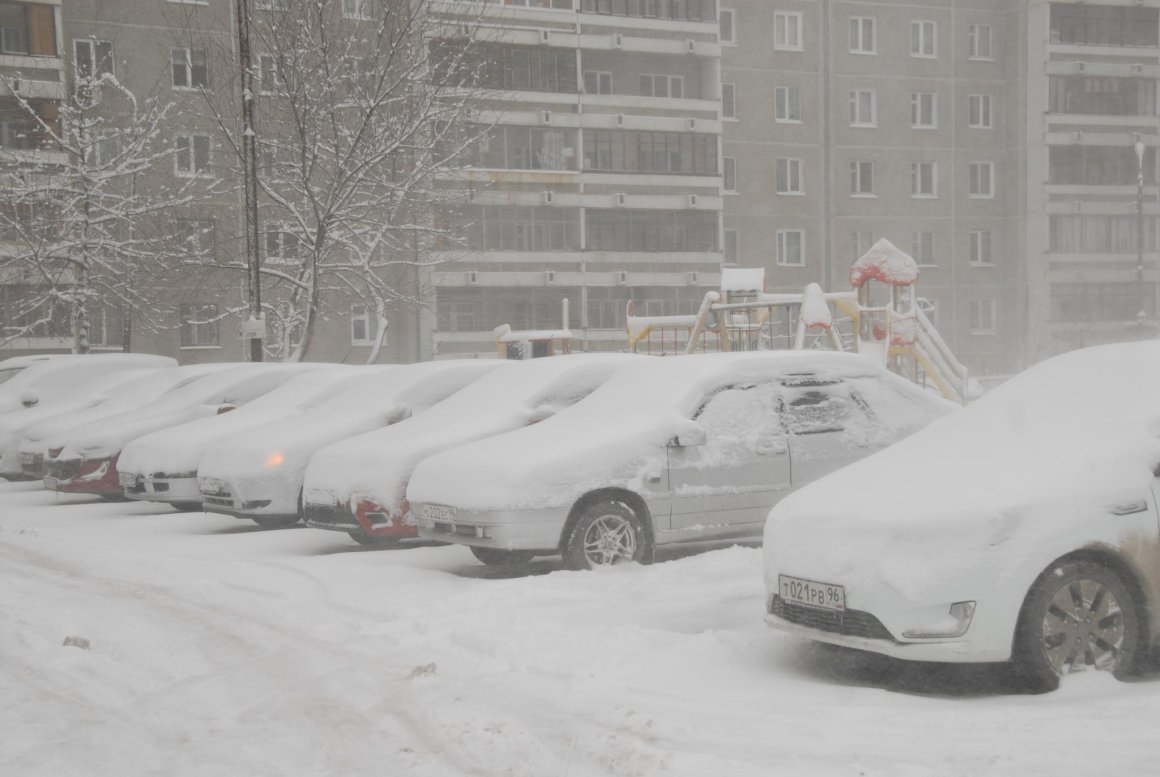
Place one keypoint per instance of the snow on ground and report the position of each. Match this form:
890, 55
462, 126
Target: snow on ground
218, 648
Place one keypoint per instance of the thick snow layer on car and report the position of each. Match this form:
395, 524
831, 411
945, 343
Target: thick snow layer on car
55, 379
1067, 442
179, 449
617, 435
213, 650
886, 263
377, 465
280, 451
205, 397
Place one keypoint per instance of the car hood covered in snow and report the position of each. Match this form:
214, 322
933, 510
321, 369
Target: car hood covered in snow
69, 376
1071, 441
203, 398
376, 466
178, 449
616, 436
282, 448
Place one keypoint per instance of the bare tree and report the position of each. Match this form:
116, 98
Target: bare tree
87, 237
358, 118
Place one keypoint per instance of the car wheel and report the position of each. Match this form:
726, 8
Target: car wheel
607, 532
498, 557
187, 507
372, 541
1078, 615
274, 521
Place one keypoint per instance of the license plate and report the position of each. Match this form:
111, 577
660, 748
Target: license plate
439, 513
810, 593
211, 486
127, 479
50, 483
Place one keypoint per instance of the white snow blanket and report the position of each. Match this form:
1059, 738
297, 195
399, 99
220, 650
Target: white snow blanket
68, 376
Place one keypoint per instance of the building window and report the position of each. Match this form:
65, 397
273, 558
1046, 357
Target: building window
790, 244
979, 111
272, 75
361, 331
642, 151
1104, 25
499, 228
728, 101
924, 110
28, 28
653, 85
103, 150
862, 35
787, 104
922, 43
863, 108
356, 9
92, 58
979, 41
861, 240
789, 176
199, 325
923, 179
730, 249
981, 247
982, 316
189, 68
281, 246
597, 82
726, 31
106, 327
1096, 95
729, 175
1089, 234
981, 176
624, 229
787, 31
862, 179
196, 236
192, 156
922, 248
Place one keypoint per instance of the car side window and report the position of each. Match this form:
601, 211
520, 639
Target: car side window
743, 417
818, 409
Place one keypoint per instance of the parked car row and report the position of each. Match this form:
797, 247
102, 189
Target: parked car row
1022, 528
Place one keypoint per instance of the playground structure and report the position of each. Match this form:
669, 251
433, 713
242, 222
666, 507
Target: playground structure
879, 317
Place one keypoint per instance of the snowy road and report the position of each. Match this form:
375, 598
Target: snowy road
220, 649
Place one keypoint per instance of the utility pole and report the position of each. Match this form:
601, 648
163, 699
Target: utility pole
254, 329
1141, 314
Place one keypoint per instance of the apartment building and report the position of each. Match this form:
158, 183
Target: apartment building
597, 179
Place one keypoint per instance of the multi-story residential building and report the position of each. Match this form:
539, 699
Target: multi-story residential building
598, 180
852, 120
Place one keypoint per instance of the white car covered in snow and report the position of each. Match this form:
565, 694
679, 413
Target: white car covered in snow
685, 448
162, 466
84, 460
359, 486
1023, 527
260, 477
39, 382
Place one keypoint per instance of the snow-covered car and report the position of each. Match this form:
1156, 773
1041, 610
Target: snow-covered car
260, 477
128, 395
359, 486
84, 460
14, 365
1022, 528
162, 466
686, 448
41, 382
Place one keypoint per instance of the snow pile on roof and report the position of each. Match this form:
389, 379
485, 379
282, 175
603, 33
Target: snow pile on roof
178, 449
815, 310
743, 279
1051, 447
511, 336
377, 465
622, 426
886, 263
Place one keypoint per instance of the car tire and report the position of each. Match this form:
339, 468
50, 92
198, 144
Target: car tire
499, 557
187, 507
1078, 615
372, 541
606, 532
274, 521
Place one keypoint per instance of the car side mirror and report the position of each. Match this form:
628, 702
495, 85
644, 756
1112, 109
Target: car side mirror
691, 436
28, 398
225, 408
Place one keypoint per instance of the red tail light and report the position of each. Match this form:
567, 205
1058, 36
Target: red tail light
54, 452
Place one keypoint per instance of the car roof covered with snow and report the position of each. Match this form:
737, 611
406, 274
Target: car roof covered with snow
51, 380
379, 463
204, 397
619, 429
1054, 447
372, 402
180, 448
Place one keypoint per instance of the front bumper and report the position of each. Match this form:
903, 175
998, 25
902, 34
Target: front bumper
262, 498
32, 465
161, 488
83, 476
536, 529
